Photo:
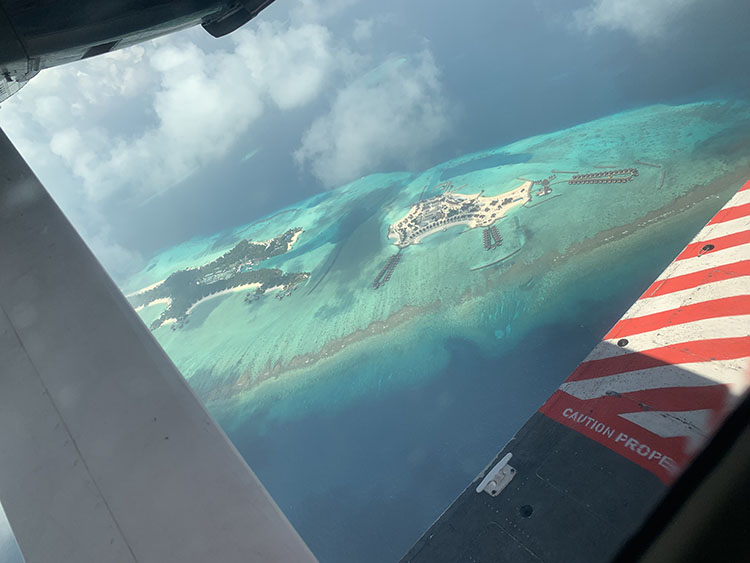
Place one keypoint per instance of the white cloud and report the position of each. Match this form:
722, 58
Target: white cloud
134, 123
292, 65
117, 74
645, 19
197, 103
112, 131
392, 114
362, 30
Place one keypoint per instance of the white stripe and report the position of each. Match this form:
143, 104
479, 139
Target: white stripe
702, 374
740, 198
722, 327
722, 229
670, 424
669, 301
727, 227
711, 260
695, 425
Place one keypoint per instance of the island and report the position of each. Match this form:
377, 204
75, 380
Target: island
236, 270
450, 209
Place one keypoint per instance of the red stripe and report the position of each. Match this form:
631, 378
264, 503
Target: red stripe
735, 305
683, 353
730, 213
720, 243
695, 279
562, 407
746, 186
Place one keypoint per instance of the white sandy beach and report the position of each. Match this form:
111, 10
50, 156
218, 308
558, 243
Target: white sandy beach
145, 289
483, 218
161, 301
470, 223
294, 238
244, 287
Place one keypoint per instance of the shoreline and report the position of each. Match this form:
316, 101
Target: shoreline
246, 382
220, 293
295, 236
470, 223
520, 195
147, 288
160, 301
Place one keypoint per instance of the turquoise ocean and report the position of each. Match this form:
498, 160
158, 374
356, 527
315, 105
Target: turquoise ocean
365, 412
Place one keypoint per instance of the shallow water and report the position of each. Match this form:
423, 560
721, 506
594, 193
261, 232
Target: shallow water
366, 412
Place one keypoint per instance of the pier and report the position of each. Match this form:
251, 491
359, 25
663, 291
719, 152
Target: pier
491, 238
544, 185
496, 235
386, 271
609, 177
545, 181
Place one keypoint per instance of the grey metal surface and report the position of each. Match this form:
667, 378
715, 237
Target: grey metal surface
105, 452
571, 499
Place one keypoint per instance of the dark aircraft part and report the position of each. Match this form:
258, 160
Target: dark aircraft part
234, 17
100, 49
570, 499
707, 511
55, 32
40, 34
13, 57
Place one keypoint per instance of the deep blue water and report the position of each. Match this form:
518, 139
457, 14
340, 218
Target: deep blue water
362, 482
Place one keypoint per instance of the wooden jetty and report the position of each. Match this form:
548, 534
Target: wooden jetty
609, 177
387, 270
496, 235
491, 238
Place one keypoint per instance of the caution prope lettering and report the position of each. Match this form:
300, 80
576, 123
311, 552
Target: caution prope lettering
668, 373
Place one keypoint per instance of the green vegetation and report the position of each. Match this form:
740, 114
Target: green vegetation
235, 268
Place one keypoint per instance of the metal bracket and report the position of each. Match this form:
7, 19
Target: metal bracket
498, 477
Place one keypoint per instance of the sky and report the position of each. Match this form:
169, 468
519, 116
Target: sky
188, 135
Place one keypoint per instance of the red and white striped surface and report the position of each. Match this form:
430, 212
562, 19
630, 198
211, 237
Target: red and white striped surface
678, 361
